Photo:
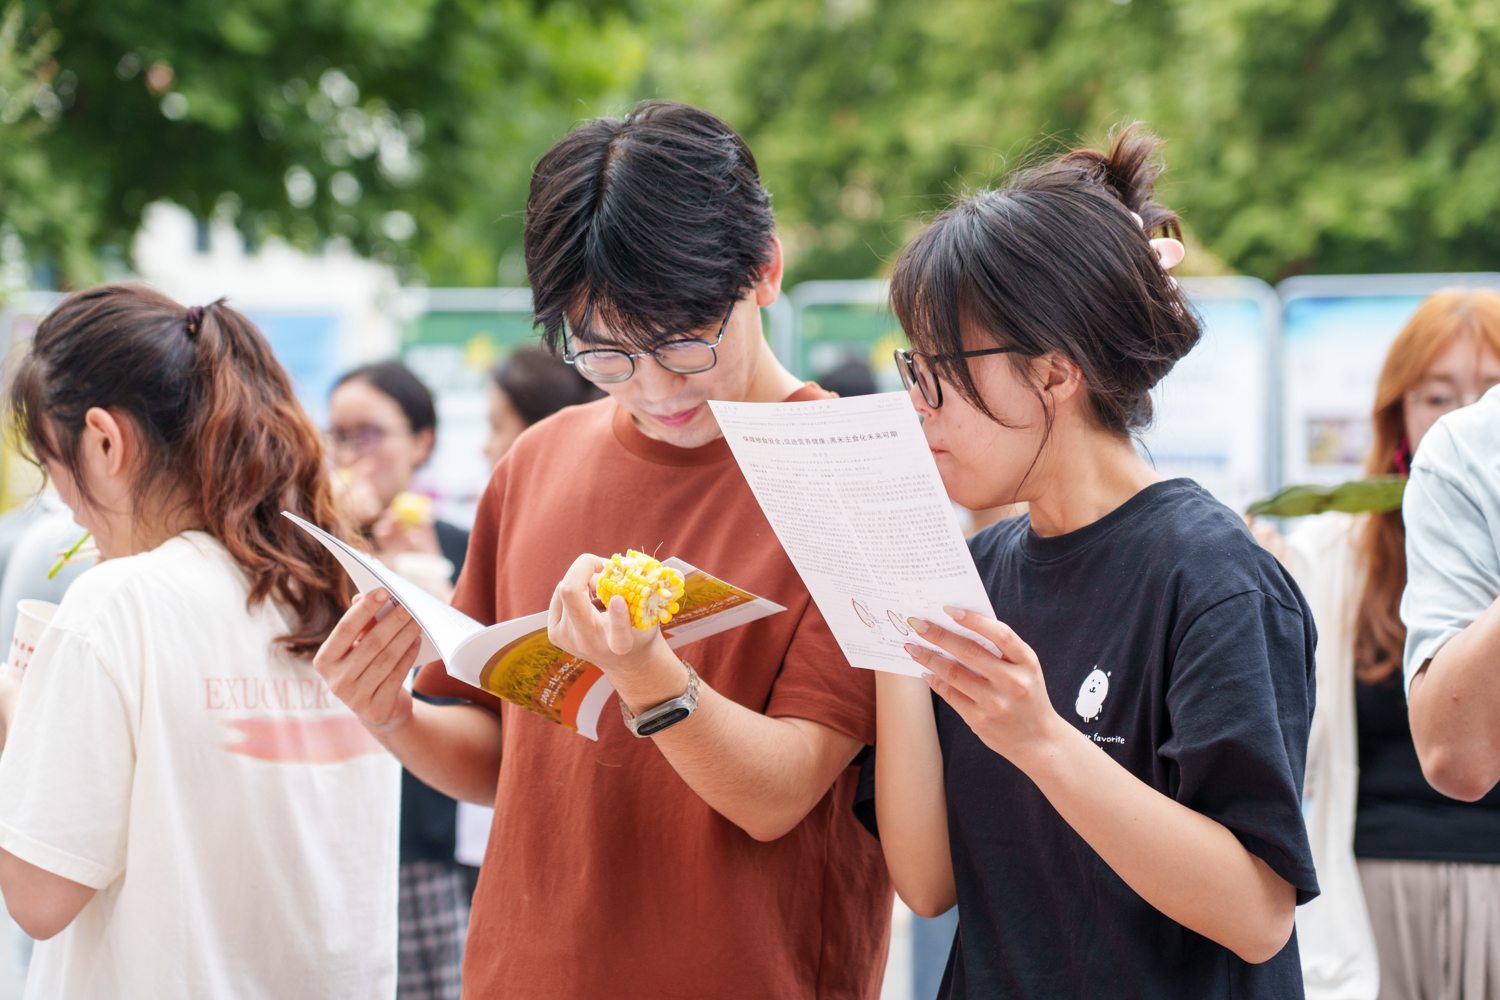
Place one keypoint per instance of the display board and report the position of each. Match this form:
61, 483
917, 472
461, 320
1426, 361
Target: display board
836, 322
307, 345
1214, 413
1336, 331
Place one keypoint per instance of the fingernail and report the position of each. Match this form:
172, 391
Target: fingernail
930, 678
912, 649
957, 614
379, 594
918, 624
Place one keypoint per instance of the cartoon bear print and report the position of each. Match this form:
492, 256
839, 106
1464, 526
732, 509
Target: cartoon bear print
1091, 695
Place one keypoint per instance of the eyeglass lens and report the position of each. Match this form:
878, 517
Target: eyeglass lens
913, 365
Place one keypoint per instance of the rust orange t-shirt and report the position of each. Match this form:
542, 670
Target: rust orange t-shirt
606, 875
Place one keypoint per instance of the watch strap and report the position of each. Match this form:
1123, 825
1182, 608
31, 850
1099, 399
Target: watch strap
666, 715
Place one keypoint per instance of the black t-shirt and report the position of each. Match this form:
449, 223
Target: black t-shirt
429, 819
1185, 651
1401, 817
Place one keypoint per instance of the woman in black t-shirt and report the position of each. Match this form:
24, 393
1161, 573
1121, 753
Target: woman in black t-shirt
1113, 802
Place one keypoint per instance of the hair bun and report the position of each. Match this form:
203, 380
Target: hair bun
1128, 171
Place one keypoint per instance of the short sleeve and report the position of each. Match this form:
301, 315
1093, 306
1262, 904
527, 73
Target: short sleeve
1452, 569
817, 683
1240, 702
69, 765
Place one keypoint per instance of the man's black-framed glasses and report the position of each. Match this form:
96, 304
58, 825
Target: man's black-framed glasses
687, 356
918, 369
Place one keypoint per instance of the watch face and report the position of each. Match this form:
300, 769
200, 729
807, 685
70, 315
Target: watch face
650, 727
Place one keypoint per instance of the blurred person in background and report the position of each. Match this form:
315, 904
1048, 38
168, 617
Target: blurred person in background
852, 378
1420, 915
185, 810
382, 429
531, 384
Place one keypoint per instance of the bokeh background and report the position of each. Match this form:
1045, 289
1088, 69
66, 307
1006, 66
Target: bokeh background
353, 174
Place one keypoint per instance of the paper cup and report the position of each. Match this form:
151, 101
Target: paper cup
31, 621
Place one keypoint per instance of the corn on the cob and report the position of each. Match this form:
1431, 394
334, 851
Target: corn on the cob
651, 590
412, 509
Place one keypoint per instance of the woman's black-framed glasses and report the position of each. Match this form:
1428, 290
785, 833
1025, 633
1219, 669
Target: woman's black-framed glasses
917, 369
688, 356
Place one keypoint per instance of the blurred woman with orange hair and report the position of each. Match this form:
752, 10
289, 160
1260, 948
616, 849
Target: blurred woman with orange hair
1425, 895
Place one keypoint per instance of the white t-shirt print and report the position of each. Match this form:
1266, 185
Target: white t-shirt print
240, 825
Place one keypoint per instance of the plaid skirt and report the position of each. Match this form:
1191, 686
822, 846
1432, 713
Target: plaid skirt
434, 920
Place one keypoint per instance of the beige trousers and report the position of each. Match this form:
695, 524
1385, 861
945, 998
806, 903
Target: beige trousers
1437, 928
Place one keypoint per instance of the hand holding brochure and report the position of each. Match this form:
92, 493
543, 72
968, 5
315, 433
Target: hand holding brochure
852, 492
514, 660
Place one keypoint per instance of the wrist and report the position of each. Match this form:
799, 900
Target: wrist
1053, 747
661, 678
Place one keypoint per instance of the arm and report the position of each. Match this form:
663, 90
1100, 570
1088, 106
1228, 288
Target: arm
453, 748
1455, 711
1188, 866
40, 902
910, 802
763, 774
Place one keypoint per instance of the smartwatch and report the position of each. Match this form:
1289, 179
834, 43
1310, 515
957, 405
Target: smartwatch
668, 713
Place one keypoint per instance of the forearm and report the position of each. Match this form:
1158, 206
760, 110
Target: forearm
453, 748
763, 774
1191, 868
40, 902
910, 802
1455, 711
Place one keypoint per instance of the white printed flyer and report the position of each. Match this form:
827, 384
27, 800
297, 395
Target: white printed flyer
515, 660
852, 492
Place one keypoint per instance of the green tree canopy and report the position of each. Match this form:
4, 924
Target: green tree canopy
406, 126
1303, 135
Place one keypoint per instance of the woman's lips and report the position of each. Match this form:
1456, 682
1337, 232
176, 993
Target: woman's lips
678, 419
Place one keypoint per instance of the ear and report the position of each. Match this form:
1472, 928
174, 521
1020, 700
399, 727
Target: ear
113, 437
769, 285
1058, 376
425, 442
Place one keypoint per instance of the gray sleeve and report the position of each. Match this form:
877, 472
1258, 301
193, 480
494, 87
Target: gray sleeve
1452, 568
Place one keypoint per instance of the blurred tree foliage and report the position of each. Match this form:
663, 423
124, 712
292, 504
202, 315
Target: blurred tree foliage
1304, 135
407, 127
52, 215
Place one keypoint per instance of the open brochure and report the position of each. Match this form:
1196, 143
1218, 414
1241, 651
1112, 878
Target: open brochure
852, 492
514, 660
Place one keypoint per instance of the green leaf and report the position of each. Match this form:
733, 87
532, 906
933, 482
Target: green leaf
1375, 495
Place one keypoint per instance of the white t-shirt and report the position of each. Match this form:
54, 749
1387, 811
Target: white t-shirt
1452, 513
239, 823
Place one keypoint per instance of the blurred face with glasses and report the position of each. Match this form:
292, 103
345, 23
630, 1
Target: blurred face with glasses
1457, 377
369, 435
666, 390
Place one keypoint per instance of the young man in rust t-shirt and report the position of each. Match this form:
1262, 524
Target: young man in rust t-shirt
719, 857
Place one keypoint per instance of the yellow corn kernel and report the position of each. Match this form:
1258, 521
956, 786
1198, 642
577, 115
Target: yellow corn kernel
652, 591
412, 509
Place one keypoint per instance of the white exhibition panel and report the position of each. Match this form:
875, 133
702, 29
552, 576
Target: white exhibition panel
1214, 410
1336, 331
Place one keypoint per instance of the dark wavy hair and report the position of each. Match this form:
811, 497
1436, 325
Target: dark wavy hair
219, 427
1052, 261
656, 221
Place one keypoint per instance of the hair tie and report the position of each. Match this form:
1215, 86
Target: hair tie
194, 320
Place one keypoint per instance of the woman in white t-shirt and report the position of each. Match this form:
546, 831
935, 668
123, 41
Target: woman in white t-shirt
185, 810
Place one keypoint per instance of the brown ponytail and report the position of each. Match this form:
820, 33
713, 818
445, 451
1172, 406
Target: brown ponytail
221, 429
